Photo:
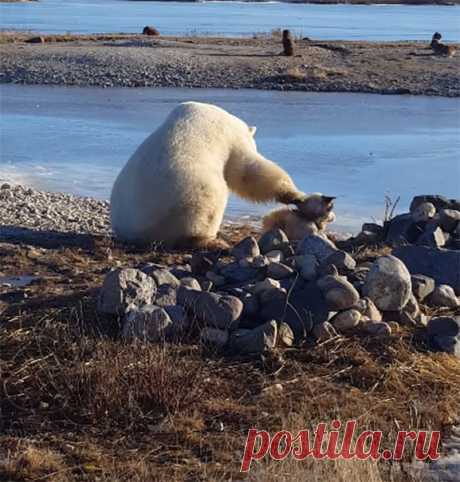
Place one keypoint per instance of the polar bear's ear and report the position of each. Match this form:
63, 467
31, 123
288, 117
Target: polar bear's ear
252, 130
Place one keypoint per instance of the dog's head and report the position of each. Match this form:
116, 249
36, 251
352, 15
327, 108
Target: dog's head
315, 206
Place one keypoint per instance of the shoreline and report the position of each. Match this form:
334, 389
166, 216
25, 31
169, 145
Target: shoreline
126, 60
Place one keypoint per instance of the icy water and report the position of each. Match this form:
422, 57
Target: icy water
354, 22
357, 147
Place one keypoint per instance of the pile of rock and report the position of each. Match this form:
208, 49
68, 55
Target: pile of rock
271, 292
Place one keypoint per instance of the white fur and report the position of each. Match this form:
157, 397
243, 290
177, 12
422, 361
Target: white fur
175, 186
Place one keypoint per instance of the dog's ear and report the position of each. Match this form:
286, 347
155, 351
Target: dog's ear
328, 199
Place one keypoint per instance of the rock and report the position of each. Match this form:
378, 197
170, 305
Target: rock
250, 305
368, 309
423, 212
316, 245
308, 266
402, 230
388, 284
201, 263
444, 334
339, 293
166, 296
248, 247
161, 275
279, 271
378, 328
372, 228
341, 260
275, 256
256, 341
152, 31
213, 309
214, 336
422, 286
432, 237
124, 287
285, 335
233, 272
216, 279
439, 264
265, 285
412, 307
147, 323
180, 321
191, 283
259, 261
443, 296
273, 240
449, 219
438, 201
324, 331
346, 320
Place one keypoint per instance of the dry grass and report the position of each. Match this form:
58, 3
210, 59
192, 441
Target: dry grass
79, 404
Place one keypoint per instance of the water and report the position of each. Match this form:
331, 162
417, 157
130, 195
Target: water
358, 147
353, 22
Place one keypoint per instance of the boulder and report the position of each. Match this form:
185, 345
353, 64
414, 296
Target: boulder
124, 287
432, 237
388, 284
443, 296
166, 295
178, 316
201, 263
248, 247
279, 271
190, 282
402, 230
233, 272
255, 341
422, 286
423, 212
250, 304
160, 274
449, 219
147, 323
438, 202
275, 239
317, 245
341, 260
440, 264
308, 266
214, 336
338, 292
444, 334
265, 285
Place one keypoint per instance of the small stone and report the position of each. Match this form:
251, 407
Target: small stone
161, 275
235, 273
191, 283
338, 292
324, 331
308, 266
272, 240
260, 261
388, 284
378, 328
217, 279
285, 335
412, 307
147, 323
201, 263
367, 308
248, 247
166, 295
346, 320
341, 260
275, 256
256, 341
265, 285
317, 245
449, 219
422, 286
180, 321
214, 336
423, 212
279, 271
444, 334
124, 287
443, 296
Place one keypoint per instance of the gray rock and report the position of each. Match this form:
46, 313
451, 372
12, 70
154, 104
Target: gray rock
275, 256
250, 305
271, 240
388, 284
402, 230
378, 328
440, 264
346, 320
147, 323
308, 266
317, 245
341, 260
265, 285
444, 334
190, 282
373, 228
161, 275
338, 292
213, 309
422, 286
443, 296
216, 279
368, 309
233, 272
279, 271
432, 237
423, 212
124, 287
285, 335
247, 247
438, 201
259, 261
449, 219
180, 321
324, 331
166, 295
259, 340
201, 263
214, 336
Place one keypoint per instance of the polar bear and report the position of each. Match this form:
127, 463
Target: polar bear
175, 187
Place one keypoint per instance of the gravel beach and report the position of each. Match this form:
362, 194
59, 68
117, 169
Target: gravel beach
137, 61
